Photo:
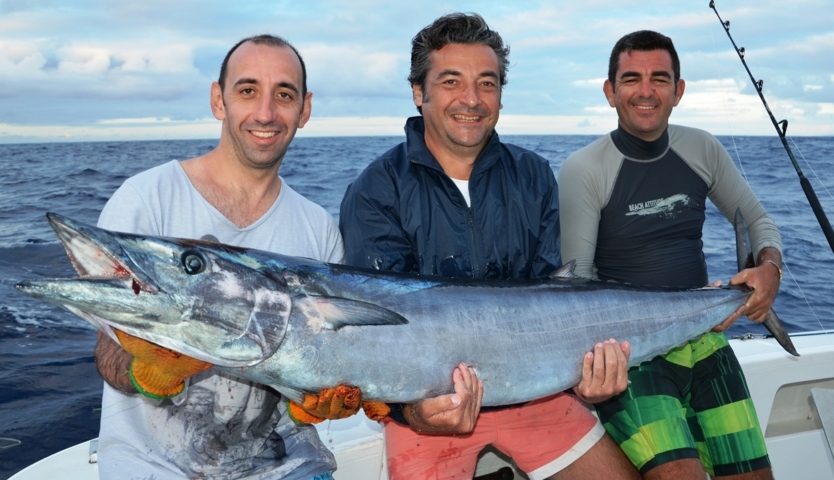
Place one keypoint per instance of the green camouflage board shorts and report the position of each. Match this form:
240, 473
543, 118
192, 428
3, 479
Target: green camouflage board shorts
692, 402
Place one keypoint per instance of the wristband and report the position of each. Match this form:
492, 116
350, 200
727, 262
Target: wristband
778, 268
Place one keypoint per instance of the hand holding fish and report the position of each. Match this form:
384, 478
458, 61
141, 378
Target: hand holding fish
764, 279
452, 413
604, 371
331, 403
158, 372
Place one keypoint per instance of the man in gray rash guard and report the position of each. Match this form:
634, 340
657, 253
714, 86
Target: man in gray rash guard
632, 210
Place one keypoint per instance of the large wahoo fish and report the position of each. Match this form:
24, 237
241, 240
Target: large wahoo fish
300, 325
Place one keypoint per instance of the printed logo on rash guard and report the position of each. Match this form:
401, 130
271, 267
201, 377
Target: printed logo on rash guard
662, 207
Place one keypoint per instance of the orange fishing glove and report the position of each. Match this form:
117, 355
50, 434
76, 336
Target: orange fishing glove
155, 371
376, 410
331, 403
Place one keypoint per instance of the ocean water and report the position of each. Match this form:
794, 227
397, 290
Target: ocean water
49, 387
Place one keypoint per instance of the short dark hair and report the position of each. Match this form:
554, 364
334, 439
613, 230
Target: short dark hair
466, 28
643, 40
264, 39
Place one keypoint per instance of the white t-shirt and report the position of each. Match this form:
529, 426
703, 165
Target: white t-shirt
222, 427
463, 186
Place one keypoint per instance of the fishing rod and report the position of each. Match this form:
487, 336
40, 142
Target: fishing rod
781, 129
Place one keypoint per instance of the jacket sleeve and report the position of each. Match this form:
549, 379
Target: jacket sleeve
370, 223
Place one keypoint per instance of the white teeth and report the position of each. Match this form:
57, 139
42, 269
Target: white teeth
466, 118
263, 134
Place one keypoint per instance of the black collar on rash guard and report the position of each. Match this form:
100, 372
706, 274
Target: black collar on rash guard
637, 149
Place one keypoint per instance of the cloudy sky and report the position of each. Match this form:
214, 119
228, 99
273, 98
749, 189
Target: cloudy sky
76, 70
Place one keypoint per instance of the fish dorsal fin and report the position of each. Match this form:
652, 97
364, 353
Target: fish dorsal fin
334, 313
565, 271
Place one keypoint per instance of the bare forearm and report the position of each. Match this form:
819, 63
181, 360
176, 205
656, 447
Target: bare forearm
113, 364
772, 258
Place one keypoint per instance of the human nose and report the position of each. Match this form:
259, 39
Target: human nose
646, 89
265, 109
470, 95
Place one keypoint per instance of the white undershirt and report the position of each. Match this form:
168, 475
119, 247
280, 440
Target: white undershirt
463, 186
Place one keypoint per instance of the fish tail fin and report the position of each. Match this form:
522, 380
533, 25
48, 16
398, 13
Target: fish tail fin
745, 259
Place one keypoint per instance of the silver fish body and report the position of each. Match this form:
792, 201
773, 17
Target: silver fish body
525, 342
301, 325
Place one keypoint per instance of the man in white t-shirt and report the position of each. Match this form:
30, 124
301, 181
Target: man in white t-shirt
218, 426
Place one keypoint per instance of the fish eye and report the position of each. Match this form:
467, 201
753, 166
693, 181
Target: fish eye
193, 262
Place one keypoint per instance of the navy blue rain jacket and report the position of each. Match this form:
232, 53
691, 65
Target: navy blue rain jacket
404, 214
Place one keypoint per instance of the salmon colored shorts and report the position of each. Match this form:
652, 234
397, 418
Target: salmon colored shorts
542, 437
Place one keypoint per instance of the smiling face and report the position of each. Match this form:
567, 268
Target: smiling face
262, 104
645, 92
460, 100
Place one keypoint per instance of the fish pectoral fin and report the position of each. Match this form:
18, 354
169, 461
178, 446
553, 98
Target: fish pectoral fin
296, 396
565, 271
338, 312
263, 335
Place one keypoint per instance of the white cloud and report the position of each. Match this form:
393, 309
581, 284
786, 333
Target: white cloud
354, 70
170, 59
136, 121
19, 58
88, 67
119, 130
83, 60
826, 109
352, 126
589, 83
95, 59
594, 124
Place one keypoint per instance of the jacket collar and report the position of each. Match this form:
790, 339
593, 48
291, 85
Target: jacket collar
417, 151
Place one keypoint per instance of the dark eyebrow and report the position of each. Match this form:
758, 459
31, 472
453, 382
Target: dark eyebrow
252, 81
632, 74
448, 71
490, 74
456, 73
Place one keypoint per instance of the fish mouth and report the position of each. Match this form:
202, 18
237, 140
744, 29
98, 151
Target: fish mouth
146, 287
102, 265
95, 254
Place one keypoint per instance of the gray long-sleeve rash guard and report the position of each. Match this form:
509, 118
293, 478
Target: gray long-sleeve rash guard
633, 211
